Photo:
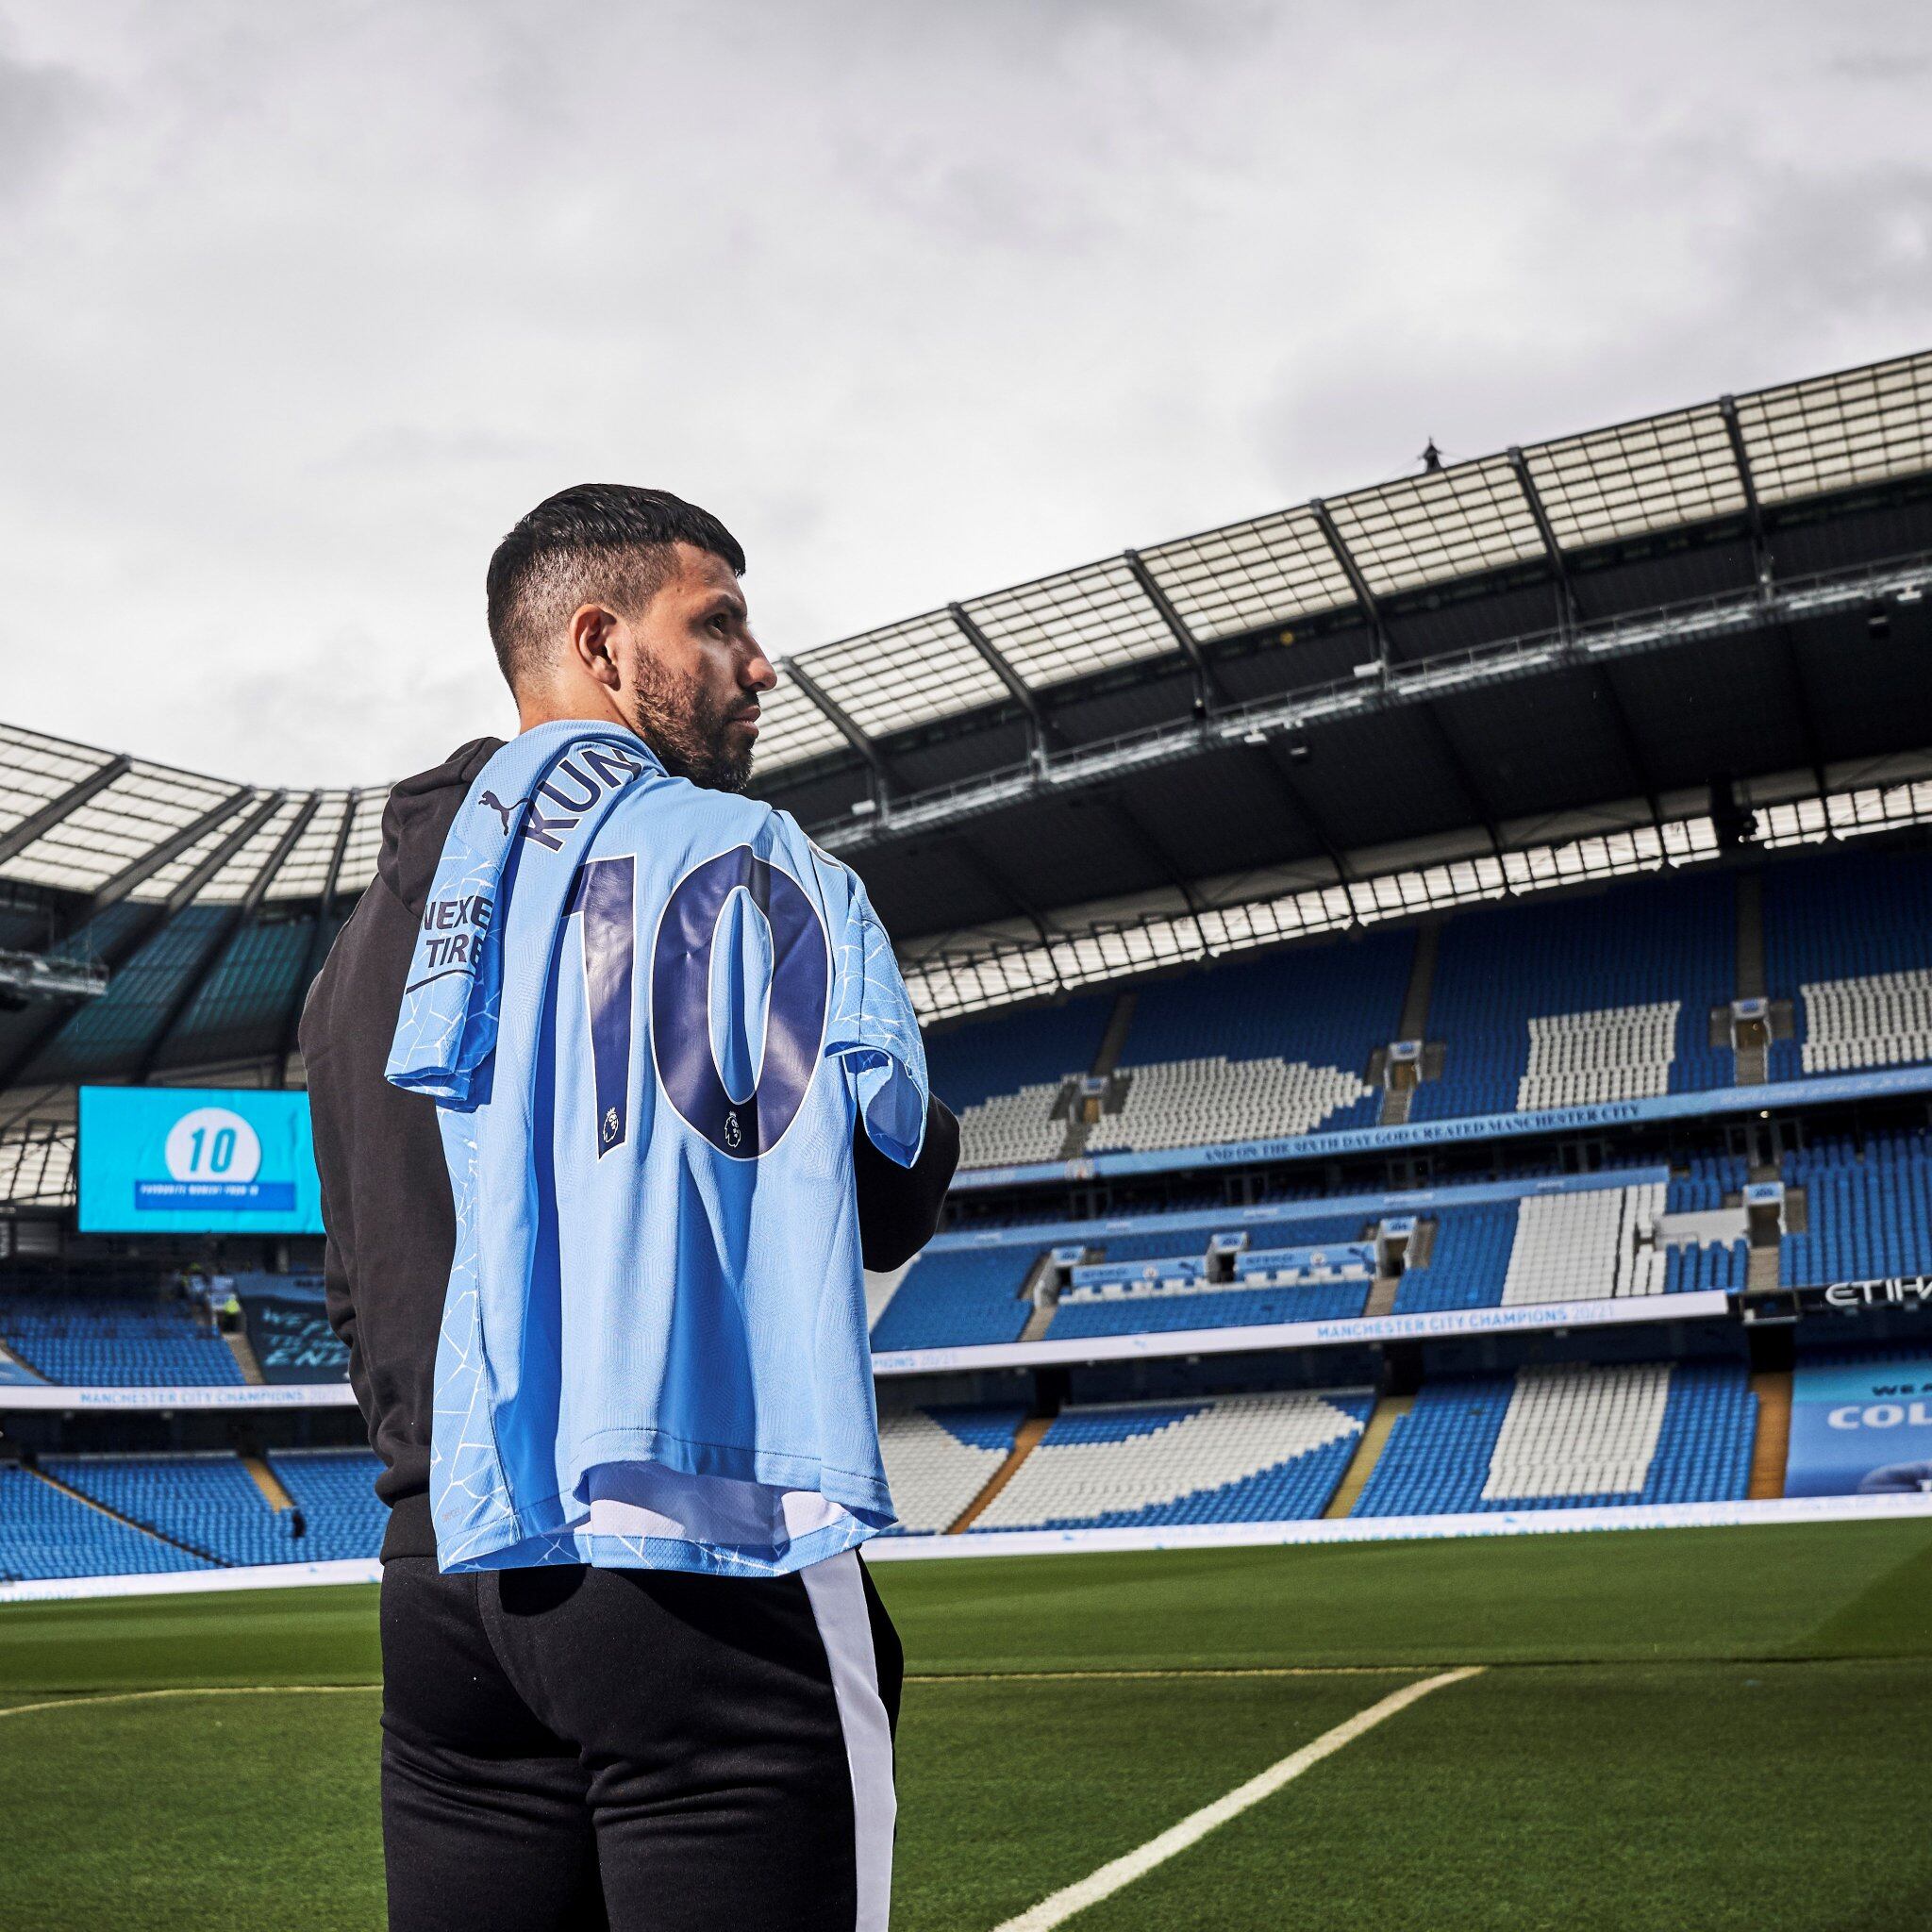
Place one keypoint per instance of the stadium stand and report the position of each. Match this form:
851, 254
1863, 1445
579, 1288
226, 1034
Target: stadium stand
1569, 1437
1129, 1292
1586, 1247
1229, 1458
44, 1532
1645, 1236
116, 1342
1002, 1076
1197, 1103
209, 1502
1848, 937
1282, 1044
1706, 1183
1275, 1045
1658, 955
939, 1459
951, 1297
1868, 1213
335, 1491
1010, 1129
1468, 1261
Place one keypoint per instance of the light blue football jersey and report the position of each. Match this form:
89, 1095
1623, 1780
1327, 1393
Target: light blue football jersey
650, 1015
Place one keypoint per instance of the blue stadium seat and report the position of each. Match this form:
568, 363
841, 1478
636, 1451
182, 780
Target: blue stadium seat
1439, 1457
335, 1491
45, 1533
1841, 915
209, 1502
1869, 1215
95, 1341
954, 1296
1467, 1263
1637, 944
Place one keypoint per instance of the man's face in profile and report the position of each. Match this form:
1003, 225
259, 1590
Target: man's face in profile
695, 672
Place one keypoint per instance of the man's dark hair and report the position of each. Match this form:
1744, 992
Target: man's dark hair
606, 542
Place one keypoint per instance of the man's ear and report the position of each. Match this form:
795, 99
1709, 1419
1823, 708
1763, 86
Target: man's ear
598, 638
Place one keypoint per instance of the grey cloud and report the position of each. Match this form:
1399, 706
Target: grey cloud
920, 299
41, 111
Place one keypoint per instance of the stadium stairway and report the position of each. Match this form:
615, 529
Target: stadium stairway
1045, 1304
1773, 1388
1754, 1059
12, 1369
148, 1531
244, 1352
1382, 1293
1368, 1452
1414, 1021
1024, 1441
268, 1482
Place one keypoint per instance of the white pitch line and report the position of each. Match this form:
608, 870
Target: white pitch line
189, 1690
1063, 1904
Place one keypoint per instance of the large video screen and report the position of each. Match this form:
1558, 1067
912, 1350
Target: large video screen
197, 1160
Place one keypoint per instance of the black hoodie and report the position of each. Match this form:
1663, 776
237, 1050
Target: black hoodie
385, 1190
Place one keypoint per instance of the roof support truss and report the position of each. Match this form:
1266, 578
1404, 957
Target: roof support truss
1372, 612
1614, 712
140, 931
1761, 541
164, 853
184, 1000
42, 821
1270, 761
318, 937
1560, 570
1043, 731
977, 860
1207, 685
850, 732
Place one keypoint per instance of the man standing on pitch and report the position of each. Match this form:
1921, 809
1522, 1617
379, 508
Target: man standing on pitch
604, 1280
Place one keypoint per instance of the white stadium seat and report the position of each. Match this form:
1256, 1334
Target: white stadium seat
1883, 1019
1230, 1438
932, 1475
1614, 1053
1579, 1432
1012, 1128
1583, 1246
1198, 1103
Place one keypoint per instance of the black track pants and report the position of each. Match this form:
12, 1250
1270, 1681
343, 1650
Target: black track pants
569, 1748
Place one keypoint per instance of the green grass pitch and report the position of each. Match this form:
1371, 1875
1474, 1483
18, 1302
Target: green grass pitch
1675, 1728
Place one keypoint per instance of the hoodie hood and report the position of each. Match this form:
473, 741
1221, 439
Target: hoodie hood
417, 818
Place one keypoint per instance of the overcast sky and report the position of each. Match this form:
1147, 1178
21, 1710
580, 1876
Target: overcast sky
300, 308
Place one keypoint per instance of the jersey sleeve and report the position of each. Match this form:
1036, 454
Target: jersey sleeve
876, 1032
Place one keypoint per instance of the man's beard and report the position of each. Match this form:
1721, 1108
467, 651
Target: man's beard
687, 729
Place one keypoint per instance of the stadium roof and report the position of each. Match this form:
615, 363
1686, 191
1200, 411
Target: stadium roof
1530, 505
1486, 666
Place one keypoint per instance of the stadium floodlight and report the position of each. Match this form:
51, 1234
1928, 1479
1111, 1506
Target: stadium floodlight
33, 976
